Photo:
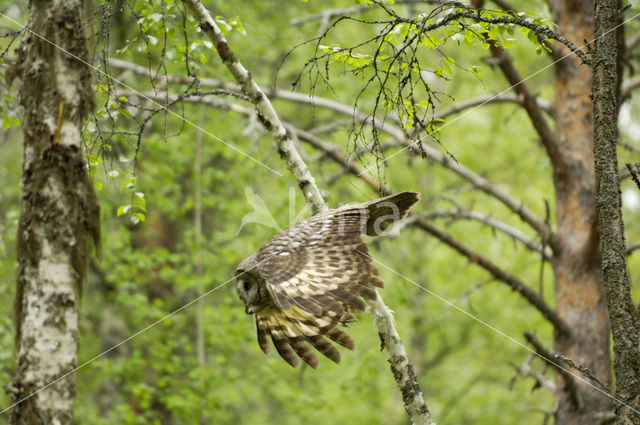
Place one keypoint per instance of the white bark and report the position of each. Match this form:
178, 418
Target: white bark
401, 366
59, 210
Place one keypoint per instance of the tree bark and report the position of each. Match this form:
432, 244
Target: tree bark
579, 295
622, 313
59, 211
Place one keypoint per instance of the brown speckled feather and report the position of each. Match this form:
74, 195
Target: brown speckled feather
317, 272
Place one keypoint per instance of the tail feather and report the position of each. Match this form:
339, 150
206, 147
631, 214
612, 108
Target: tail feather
387, 210
292, 331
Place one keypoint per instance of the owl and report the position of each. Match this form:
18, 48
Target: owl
308, 279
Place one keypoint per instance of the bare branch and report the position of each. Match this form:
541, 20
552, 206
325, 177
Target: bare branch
526, 371
424, 224
570, 383
634, 171
327, 15
629, 86
529, 101
458, 213
632, 247
402, 368
492, 98
478, 181
633, 41
516, 284
583, 369
270, 118
549, 355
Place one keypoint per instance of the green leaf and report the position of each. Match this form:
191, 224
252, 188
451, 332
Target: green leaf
97, 185
6, 123
123, 209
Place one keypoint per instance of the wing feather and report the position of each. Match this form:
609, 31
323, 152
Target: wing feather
262, 326
318, 272
293, 330
281, 341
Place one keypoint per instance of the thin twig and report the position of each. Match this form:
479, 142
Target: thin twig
478, 181
571, 385
634, 173
458, 213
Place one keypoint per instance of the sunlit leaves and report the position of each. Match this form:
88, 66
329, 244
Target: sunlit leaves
136, 209
231, 24
8, 121
346, 56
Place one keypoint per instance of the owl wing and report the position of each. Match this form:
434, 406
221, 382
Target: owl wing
292, 331
316, 278
318, 271
320, 264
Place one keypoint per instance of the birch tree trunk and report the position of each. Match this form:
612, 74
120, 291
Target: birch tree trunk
59, 211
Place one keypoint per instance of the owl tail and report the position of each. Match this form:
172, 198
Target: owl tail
388, 210
293, 330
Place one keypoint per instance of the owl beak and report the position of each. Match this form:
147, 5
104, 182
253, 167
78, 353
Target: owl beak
248, 310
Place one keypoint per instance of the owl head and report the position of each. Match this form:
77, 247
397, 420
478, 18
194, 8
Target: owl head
251, 287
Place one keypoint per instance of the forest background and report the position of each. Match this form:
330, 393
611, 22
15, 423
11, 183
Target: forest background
175, 200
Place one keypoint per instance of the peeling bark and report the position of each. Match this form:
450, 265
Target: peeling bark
59, 211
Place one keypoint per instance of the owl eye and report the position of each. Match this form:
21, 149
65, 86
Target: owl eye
247, 285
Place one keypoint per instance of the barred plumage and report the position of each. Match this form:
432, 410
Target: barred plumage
309, 278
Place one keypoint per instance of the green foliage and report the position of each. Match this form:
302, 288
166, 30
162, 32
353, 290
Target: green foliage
154, 263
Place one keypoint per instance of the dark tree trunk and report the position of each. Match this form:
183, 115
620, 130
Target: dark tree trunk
59, 211
579, 295
622, 313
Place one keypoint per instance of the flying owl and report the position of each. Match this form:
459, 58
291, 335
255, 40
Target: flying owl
310, 277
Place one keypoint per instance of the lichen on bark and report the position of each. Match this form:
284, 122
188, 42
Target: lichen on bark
59, 215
